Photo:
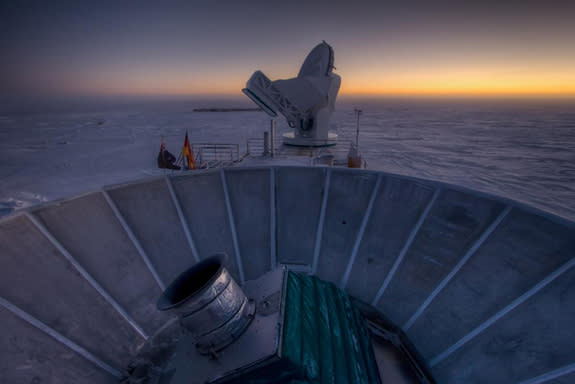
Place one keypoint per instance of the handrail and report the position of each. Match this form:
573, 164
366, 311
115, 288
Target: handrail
210, 154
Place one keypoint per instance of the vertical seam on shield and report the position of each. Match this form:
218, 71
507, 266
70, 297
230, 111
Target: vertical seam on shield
457, 267
319, 231
183, 220
361, 232
511, 306
134, 240
273, 254
78, 267
59, 338
406, 246
239, 261
565, 370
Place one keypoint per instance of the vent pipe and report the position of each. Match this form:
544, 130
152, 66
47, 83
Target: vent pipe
209, 304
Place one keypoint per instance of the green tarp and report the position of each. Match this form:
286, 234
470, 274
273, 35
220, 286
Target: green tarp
325, 339
325, 335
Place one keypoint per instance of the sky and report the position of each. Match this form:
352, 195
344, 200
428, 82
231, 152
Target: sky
382, 48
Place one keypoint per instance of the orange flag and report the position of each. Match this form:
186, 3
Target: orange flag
188, 154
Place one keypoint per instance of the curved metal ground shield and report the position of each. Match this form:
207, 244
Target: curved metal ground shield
482, 287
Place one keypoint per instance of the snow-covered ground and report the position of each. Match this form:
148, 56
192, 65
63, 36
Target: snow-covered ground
523, 150
45, 156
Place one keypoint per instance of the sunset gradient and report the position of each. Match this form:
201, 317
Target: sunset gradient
186, 48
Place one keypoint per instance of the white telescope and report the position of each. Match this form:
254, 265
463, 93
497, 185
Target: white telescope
306, 101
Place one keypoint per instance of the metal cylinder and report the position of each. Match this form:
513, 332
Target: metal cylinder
209, 304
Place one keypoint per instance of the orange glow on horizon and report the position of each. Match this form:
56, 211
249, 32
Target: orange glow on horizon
447, 91
481, 83
463, 82
372, 91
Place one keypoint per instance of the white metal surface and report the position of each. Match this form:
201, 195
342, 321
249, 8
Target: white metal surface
306, 101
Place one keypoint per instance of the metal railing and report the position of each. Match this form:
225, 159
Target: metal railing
212, 155
255, 146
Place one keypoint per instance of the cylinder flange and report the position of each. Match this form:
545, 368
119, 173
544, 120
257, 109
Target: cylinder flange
209, 304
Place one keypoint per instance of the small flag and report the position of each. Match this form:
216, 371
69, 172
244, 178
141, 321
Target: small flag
188, 154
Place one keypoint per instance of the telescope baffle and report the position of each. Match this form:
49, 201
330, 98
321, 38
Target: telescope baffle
209, 304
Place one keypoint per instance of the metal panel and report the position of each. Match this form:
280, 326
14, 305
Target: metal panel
273, 220
150, 213
361, 233
299, 195
567, 379
31, 356
60, 338
395, 212
182, 218
532, 339
453, 224
141, 251
36, 278
89, 230
468, 254
320, 223
399, 259
202, 199
249, 192
522, 251
231, 220
86, 275
557, 376
348, 198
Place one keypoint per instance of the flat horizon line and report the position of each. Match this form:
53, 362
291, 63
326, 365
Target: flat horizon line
240, 95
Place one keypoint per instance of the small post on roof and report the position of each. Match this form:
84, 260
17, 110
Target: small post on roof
357, 112
272, 136
354, 157
266, 143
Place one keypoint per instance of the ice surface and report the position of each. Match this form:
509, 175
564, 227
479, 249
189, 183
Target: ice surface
56, 154
521, 150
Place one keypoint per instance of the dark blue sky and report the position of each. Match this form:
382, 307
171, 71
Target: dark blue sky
199, 47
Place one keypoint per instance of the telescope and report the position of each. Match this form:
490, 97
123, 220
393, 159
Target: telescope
306, 101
